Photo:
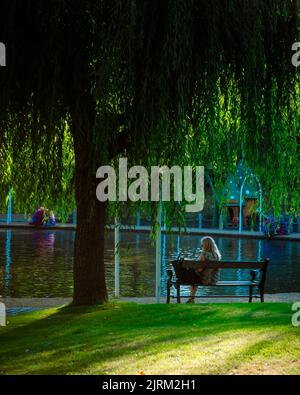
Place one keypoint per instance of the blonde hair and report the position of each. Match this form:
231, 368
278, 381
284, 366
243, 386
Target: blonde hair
209, 245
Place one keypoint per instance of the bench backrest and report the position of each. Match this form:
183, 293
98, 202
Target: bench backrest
185, 268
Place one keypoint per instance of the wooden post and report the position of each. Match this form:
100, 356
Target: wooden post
8, 259
221, 222
9, 208
74, 220
200, 220
158, 251
117, 258
138, 218
178, 245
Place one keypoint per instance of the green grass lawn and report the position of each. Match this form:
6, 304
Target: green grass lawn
127, 338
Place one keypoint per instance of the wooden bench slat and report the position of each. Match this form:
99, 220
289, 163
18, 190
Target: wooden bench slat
224, 283
222, 265
223, 261
237, 283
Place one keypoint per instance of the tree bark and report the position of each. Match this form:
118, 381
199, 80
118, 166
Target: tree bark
89, 273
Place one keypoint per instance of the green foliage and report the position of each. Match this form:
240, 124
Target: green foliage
170, 82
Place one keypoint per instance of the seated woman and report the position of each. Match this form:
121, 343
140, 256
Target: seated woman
51, 219
209, 252
38, 217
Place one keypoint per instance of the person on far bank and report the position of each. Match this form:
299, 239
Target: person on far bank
209, 252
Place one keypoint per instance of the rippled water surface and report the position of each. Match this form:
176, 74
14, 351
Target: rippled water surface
39, 263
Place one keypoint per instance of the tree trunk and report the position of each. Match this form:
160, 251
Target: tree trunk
89, 273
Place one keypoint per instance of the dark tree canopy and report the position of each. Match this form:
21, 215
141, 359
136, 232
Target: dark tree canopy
162, 75
162, 82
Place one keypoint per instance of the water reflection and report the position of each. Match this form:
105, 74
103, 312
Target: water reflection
43, 243
40, 263
8, 260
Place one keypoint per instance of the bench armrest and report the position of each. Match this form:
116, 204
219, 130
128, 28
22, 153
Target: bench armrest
254, 274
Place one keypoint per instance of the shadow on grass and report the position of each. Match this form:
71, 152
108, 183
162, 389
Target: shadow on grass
72, 338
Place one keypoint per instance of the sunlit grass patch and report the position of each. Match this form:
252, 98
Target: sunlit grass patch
126, 338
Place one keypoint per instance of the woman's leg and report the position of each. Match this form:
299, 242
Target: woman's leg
193, 291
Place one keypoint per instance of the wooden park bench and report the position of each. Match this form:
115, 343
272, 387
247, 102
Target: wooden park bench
184, 271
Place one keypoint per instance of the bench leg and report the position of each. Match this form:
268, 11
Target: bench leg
168, 292
261, 292
178, 293
250, 294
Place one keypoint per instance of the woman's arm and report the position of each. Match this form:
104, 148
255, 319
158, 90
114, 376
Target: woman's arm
201, 259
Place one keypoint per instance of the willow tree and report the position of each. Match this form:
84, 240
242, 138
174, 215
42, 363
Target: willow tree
162, 82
